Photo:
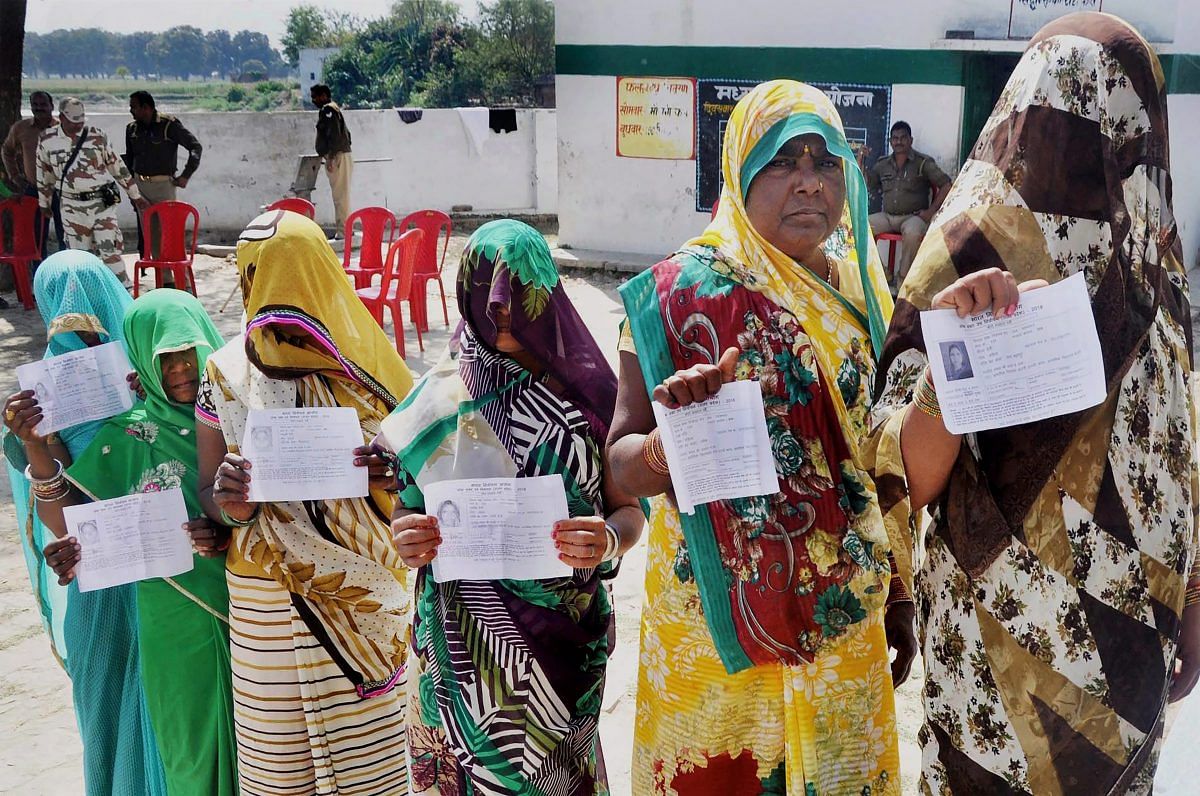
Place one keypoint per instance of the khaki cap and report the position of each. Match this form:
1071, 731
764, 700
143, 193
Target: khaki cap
71, 110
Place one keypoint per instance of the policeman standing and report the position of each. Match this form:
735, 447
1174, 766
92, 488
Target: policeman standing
333, 144
152, 142
77, 162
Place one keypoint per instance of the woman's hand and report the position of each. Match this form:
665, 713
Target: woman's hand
581, 541
62, 555
135, 384
380, 474
698, 382
232, 486
209, 539
898, 626
416, 537
1187, 655
990, 289
22, 413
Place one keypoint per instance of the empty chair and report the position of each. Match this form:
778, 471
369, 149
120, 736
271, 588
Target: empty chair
395, 285
176, 253
296, 205
378, 230
21, 247
429, 265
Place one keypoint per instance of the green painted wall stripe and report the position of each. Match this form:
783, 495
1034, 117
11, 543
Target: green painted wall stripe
939, 67
830, 65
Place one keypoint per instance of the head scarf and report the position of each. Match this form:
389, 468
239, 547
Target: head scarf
75, 292
507, 263
1069, 174
292, 279
152, 446
762, 122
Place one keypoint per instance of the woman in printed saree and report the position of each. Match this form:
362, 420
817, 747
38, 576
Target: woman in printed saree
183, 630
318, 608
764, 653
1054, 578
523, 392
93, 633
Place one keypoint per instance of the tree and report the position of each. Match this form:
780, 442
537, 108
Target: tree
123, 72
12, 33
519, 47
306, 27
180, 51
254, 69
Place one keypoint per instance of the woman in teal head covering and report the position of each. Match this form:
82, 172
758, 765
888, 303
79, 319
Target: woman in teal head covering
94, 634
183, 624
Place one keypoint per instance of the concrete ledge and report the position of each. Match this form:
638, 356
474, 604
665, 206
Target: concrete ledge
596, 260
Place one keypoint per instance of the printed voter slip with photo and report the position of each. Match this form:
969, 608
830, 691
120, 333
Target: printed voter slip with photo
498, 528
1043, 362
130, 538
80, 386
718, 449
303, 454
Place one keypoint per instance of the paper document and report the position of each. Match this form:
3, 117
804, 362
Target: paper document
719, 449
1044, 361
80, 386
303, 454
498, 528
130, 538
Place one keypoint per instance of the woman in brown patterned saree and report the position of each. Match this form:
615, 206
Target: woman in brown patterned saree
1052, 583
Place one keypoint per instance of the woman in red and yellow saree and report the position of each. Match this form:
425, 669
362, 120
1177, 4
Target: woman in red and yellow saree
764, 657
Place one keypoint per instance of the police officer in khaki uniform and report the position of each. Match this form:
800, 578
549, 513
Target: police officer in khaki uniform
78, 162
913, 189
333, 144
152, 142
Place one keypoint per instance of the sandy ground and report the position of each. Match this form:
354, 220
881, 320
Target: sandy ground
43, 755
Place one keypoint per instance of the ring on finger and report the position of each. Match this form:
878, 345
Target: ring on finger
9, 414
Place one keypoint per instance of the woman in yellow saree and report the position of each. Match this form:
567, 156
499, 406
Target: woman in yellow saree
764, 657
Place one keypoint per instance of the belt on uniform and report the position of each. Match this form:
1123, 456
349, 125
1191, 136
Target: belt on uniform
85, 196
155, 177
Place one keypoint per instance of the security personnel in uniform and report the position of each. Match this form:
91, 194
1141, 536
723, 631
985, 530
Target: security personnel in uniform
333, 144
152, 142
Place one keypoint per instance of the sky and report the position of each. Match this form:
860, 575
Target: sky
267, 16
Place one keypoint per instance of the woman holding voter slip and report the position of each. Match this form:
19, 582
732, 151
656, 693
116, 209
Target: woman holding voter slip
764, 655
1059, 591
183, 630
94, 633
318, 605
507, 672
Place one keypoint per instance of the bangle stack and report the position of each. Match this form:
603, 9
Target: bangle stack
897, 591
49, 490
246, 523
654, 453
925, 396
1191, 593
612, 542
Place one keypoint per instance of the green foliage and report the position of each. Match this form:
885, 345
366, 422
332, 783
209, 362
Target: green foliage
182, 51
424, 54
309, 26
236, 94
254, 69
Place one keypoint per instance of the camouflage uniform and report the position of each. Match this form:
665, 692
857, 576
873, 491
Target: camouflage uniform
88, 223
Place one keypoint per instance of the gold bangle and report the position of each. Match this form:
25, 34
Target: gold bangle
925, 396
654, 453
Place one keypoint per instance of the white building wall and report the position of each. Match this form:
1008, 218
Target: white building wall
250, 160
311, 67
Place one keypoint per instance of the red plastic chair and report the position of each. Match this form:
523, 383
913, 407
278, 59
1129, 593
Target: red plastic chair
429, 266
893, 239
21, 247
378, 230
395, 286
296, 205
176, 254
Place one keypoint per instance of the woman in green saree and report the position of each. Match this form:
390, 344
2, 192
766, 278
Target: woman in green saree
183, 629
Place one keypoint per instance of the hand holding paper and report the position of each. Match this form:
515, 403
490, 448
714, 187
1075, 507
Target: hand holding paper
1043, 360
78, 387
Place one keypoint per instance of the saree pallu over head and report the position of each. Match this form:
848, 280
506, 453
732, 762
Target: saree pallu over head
1086, 521
779, 576
310, 342
75, 292
541, 646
